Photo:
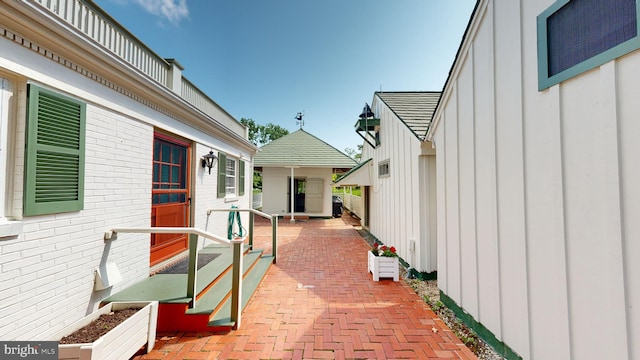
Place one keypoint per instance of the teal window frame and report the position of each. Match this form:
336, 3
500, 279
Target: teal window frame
54, 153
545, 81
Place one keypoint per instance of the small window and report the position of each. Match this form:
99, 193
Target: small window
230, 180
383, 168
578, 35
231, 176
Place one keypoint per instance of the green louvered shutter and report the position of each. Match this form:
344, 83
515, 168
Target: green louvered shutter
222, 174
54, 160
241, 178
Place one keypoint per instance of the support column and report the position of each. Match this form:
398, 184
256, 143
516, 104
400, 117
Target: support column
193, 263
293, 203
236, 283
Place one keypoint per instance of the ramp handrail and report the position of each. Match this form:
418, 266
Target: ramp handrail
252, 213
236, 283
108, 235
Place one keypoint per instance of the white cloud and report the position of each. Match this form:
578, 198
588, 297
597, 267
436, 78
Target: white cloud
172, 10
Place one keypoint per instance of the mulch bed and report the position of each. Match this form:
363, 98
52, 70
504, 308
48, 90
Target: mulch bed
98, 327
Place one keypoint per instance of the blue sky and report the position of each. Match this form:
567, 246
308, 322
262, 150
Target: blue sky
270, 59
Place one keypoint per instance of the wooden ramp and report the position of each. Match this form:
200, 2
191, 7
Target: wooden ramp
212, 312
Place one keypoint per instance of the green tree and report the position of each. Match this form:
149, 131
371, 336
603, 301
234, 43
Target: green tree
270, 132
263, 134
253, 128
354, 154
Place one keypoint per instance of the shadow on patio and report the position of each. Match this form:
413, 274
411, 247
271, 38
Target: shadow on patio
319, 301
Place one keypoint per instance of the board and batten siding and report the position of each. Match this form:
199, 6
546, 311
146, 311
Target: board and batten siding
399, 203
538, 199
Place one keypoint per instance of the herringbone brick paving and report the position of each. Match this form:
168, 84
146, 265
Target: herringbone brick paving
319, 302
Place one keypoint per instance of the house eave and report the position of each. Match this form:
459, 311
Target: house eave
40, 27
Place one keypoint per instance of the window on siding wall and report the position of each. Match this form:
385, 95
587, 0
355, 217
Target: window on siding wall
230, 181
54, 158
231, 175
578, 35
383, 168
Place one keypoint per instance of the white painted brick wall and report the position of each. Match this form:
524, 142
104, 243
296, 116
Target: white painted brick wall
48, 271
207, 190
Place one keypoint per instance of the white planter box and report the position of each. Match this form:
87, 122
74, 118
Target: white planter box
122, 342
383, 267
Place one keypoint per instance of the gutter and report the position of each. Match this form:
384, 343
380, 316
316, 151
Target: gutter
435, 120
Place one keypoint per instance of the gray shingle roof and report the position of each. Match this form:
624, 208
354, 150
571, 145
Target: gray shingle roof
414, 108
302, 149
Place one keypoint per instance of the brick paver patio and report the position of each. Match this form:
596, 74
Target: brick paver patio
319, 302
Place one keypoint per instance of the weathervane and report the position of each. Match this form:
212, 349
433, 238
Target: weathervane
299, 120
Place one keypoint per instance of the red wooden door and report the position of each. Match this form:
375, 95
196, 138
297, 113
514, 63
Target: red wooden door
170, 196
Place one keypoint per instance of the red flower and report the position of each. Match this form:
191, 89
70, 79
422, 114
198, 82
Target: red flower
393, 249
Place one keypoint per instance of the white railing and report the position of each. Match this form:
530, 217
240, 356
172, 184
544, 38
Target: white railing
256, 201
236, 282
354, 204
252, 213
112, 234
100, 27
194, 96
113, 37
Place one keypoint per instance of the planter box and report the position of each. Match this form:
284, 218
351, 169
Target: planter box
383, 267
122, 342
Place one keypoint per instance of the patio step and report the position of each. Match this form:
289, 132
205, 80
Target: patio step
221, 318
213, 288
215, 301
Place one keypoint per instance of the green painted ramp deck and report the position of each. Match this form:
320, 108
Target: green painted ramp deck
172, 288
212, 310
249, 286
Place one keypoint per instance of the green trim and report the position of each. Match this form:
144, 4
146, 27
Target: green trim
354, 169
367, 124
55, 153
222, 174
485, 334
422, 275
545, 81
241, 177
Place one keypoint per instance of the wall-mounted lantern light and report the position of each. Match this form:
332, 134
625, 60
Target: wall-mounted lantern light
208, 160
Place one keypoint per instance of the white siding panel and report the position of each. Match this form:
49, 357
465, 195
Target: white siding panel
395, 219
556, 195
466, 175
544, 212
442, 205
592, 214
629, 147
452, 200
427, 248
485, 180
